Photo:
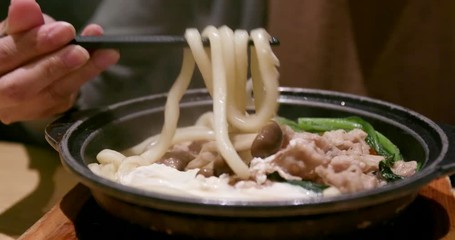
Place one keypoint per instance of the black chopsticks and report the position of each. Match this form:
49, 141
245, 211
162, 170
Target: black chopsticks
122, 41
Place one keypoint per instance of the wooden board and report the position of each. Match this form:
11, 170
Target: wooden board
431, 216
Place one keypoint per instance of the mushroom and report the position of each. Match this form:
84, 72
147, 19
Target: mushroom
216, 167
268, 141
176, 159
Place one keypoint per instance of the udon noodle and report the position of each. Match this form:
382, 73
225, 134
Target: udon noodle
228, 132
224, 72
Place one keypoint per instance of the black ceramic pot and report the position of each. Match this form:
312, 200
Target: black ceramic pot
78, 137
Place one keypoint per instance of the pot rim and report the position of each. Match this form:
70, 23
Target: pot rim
279, 208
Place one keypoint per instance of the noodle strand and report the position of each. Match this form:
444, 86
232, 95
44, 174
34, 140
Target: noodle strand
229, 127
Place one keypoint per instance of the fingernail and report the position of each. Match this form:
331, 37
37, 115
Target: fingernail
75, 56
92, 30
105, 58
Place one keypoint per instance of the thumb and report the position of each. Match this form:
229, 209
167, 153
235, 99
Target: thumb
23, 15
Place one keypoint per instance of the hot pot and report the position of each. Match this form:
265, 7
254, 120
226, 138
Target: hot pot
79, 136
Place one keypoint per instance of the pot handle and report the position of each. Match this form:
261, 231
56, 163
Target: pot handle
447, 166
55, 130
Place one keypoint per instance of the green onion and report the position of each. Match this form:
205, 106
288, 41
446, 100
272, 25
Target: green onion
326, 124
308, 185
389, 147
288, 122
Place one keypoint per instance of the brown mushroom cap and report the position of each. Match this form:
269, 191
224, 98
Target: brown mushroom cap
268, 141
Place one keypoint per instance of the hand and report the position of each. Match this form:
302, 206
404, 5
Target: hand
40, 74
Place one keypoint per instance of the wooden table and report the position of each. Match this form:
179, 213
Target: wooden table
32, 181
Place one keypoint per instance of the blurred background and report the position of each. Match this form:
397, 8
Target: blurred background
399, 51
78, 11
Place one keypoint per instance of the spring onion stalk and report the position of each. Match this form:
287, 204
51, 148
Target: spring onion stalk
290, 123
308, 185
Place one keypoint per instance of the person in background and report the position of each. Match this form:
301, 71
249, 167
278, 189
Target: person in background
399, 51
41, 75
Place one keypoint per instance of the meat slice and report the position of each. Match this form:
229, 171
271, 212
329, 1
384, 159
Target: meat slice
348, 173
301, 157
338, 158
404, 169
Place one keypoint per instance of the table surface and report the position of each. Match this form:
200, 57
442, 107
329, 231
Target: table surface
40, 200
32, 181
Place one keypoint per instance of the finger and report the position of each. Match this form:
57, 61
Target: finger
92, 30
3, 28
36, 108
99, 61
27, 81
48, 19
23, 15
18, 49
60, 96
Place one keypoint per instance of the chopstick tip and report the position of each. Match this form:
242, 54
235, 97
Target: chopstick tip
274, 41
